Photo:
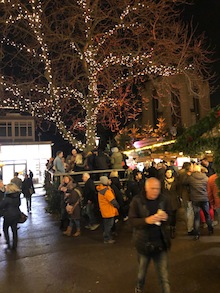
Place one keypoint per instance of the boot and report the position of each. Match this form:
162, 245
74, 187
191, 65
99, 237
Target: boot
172, 232
68, 231
77, 233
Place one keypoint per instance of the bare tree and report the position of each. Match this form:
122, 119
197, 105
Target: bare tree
74, 62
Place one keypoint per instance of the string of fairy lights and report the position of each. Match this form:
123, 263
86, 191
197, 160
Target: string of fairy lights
50, 95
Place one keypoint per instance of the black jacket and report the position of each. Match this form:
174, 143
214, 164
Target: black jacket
138, 211
90, 192
10, 204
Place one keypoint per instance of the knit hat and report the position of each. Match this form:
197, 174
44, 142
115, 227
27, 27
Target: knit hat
104, 180
115, 150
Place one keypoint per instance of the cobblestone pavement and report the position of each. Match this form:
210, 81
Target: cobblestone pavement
48, 262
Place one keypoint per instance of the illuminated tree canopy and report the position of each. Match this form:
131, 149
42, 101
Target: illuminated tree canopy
74, 62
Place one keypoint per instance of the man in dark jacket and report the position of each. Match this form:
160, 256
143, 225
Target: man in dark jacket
136, 185
90, 201
148, 217
197, 182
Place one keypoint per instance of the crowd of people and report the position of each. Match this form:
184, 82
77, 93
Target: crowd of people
150, 200
10, 205
93, 160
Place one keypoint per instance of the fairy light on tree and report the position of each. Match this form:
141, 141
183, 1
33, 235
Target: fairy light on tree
74, 63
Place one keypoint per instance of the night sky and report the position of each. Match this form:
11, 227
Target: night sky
206, 14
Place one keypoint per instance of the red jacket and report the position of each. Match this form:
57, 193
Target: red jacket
213, 191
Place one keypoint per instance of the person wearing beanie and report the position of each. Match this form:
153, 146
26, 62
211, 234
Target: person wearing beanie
108, 208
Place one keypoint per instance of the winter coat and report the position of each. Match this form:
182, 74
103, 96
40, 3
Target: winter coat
116, 160
172, 194
10, 204
107, 202
213, 192
72, 199
90, 192
197, 182
102, 161
58, 165
116, 182
27, 185
184, 189
138, 211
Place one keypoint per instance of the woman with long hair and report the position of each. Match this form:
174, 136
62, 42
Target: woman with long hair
170, 189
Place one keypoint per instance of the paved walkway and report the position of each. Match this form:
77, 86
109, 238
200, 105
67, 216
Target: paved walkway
47, 262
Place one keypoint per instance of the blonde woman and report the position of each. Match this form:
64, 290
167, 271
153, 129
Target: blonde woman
10, 204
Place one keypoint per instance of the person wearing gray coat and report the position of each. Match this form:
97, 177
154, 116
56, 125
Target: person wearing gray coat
197, 182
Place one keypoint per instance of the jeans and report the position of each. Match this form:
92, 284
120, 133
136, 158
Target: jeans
108, 224
28, 201
189, 214
76, 222
161, 265
204, 205
90, 213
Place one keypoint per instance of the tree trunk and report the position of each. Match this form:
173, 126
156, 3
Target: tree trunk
91, 124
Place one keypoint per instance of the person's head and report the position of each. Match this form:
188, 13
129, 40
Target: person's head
74, 152
85, 177
137, 175
26, 176
197, 168
104, 180
79, 159
59, 154
205, 162
12, 188
115, 150
16, 174
154, 164
188, 166
114, 173
67, 179
168, 173
159, 166
152, 188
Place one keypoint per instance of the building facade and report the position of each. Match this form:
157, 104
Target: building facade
174, 99
19, 152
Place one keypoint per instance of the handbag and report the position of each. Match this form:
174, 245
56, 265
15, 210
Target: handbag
31, 191
22, 218
70, 208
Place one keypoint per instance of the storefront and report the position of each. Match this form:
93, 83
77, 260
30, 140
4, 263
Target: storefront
24, 157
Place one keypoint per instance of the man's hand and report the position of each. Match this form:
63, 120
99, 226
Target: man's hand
156, 218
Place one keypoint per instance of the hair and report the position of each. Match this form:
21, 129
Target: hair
114, 173
11, 188
169, 169
69, 177
16, 174
86, 175
197, 168
79, 159
186, 165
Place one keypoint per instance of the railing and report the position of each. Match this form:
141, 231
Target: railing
59, 176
